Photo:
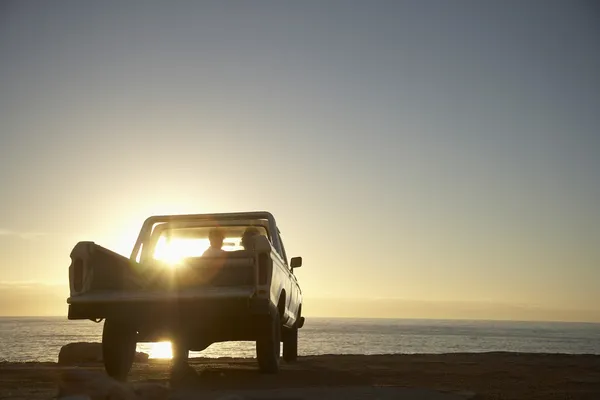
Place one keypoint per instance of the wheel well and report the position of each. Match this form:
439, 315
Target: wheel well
281, 304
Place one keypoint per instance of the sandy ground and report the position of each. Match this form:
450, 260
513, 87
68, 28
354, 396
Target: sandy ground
485, 375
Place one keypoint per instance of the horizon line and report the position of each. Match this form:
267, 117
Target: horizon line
368, 318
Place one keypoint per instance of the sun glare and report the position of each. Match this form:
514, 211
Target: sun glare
161, 350
174, 251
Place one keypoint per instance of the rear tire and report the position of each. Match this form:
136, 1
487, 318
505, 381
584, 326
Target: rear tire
290, 345
268, 344
119, 341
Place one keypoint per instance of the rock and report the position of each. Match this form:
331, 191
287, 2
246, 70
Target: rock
91, 385
141, 357
73, 353
82, 352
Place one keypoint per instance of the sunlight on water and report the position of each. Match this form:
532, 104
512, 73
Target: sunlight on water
40, 339
160, 350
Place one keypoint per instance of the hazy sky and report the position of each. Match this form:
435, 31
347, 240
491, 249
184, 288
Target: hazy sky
422, 150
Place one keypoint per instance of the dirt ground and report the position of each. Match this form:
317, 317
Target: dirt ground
505, 376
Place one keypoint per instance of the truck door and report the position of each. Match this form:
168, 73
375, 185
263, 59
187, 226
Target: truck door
290, 285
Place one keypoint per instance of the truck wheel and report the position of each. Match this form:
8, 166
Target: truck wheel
268, 344
290, 345
118, 348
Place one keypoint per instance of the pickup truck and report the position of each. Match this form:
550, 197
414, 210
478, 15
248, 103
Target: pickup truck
172, 288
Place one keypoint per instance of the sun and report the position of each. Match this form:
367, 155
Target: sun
161, 350
173, 252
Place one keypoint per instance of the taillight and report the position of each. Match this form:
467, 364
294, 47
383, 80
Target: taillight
78, 274
264, 268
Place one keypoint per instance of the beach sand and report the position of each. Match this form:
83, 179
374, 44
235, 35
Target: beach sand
474, 375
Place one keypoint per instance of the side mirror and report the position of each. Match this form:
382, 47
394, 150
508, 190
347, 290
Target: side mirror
296, 262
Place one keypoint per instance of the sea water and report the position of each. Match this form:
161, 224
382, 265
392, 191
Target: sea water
40, 339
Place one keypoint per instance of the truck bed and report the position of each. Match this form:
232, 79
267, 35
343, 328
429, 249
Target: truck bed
104, 282
97, 270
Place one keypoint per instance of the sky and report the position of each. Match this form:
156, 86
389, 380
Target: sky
413, 152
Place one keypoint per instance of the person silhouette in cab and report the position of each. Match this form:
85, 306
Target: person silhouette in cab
249, 233
216, 238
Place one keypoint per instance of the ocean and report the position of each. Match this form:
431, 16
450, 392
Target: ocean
40, 339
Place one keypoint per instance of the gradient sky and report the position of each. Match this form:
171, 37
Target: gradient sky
418, 150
